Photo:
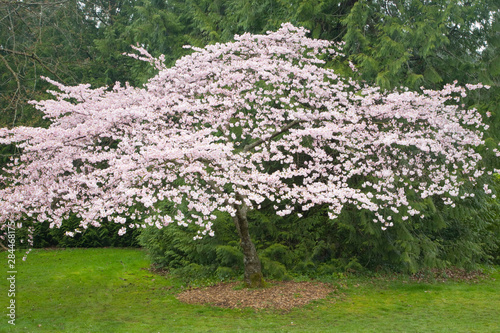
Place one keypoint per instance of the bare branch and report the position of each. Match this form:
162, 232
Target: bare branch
35, 57
15, 2
13, 74
4, 248
15, 98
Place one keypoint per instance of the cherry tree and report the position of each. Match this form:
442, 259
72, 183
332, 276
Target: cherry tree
232, 126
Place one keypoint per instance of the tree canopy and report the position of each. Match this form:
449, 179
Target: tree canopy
232, 126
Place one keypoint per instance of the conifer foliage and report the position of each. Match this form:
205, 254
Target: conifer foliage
233, 126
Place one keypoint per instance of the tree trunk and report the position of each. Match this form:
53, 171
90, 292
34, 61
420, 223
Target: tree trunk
253, 270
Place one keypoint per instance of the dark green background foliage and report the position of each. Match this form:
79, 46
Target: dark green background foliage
173, 248
416, 43
105, 236
313, 245
420, 43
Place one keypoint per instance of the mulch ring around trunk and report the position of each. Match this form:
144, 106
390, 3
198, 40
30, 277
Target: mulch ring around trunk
283, 295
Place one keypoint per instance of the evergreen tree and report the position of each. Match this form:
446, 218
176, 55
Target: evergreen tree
41, 39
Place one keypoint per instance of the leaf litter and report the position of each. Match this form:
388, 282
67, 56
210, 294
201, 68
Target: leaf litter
283, 295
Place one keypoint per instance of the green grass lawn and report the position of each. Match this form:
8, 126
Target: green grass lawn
111, 290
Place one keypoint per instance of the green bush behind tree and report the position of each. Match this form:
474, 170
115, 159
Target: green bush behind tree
315, 246
46, 237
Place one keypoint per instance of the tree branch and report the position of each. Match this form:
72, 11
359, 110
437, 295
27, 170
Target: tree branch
35, 57
16, 77
283, 130
14, 2
15, 98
